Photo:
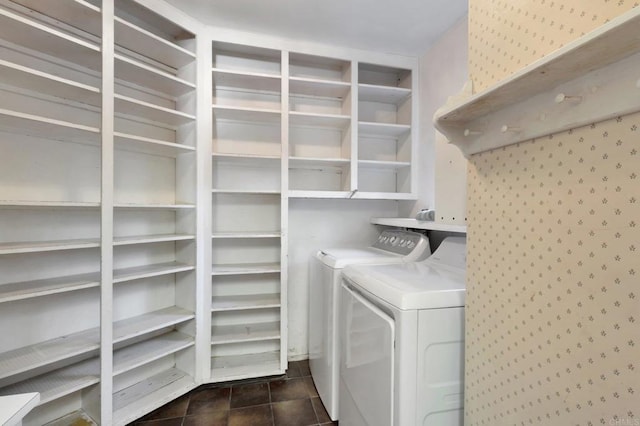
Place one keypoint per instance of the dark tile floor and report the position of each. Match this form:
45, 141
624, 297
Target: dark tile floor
289, 400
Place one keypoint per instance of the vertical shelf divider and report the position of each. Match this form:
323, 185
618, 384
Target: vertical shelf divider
354, 128
204, 208
106, 215
284, 210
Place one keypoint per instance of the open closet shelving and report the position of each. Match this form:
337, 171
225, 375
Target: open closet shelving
144, 254
248, 305
55, 141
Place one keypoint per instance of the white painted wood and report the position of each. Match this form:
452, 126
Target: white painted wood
245, 269
285, 59
78, 13
47, 40
382, 129
252, 81
148, 271
76, 417
319, 194
43, 246
137, 39
147, 351
143, 324
418, 224
382, 94
242, 235
391, 195
245, 191
19, 204
41, 82
239, 367
143, 397
244, 158
35, 125
58, 383
154, 113
133, 143
143, 75
318, 120
318, 162
245, 302
47, 353
154, 206
224, 334
373, 164
318, 88
245, 114
604, 59
25, 290
13, 408
148, 239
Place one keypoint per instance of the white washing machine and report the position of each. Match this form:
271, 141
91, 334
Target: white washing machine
402, 341
392, 246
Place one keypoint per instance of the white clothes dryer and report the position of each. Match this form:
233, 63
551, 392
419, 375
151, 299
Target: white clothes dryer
392, 246
402, 341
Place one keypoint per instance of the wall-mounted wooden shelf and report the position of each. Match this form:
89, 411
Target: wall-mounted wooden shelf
418, 224
596, 75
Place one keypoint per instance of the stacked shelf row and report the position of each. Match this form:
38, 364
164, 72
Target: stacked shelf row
52, 203
348, 124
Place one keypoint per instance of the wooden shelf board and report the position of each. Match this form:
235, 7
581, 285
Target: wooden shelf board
318, 87
147, 239
375, 164
309, 162
418, 224
245, 158
382, 129
42, 246
40, 82
247, 191
333, 121
33, 35
149, 271
153, 206
145, 396
239, 333
376, 195
236, 367
245, 269
59, 383
298, 193
77, 13
146, 323
21, 204
609, 43
126, 142
382, 94
28, 289
143, 75
246, 81
150, 112
242, 114
143, 42
48, 352
245, 234
147, 351
244, 302
34, 125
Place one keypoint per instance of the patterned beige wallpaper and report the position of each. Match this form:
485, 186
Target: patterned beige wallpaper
507, 35
553, 303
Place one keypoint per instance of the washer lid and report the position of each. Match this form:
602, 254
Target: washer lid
416, 285
338, 258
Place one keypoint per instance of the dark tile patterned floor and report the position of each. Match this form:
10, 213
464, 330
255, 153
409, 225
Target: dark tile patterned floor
289, 400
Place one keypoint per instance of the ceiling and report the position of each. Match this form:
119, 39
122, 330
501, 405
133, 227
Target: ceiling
392, 26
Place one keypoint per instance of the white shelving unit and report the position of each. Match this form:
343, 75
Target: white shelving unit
386, 115
248, 332
74, 244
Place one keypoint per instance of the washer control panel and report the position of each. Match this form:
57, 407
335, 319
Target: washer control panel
401, 242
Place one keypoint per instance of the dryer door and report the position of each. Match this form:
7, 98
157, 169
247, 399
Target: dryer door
366, 362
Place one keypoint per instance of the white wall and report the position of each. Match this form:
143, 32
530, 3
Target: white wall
322, 224
443, 72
